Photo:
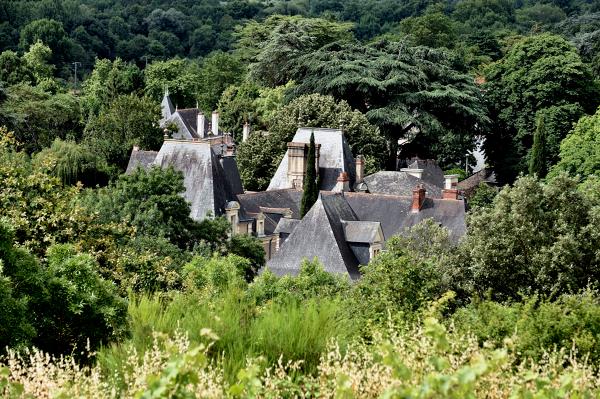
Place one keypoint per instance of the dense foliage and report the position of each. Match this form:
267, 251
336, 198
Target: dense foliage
110, 270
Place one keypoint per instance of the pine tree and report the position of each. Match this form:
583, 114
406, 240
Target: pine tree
537, 160
311, 191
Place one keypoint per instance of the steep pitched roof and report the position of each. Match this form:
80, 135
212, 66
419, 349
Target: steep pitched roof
470, 184
398, 183
140, 158
335, 157
166, 107
207, 186
394, 212
319, 234
287, 198
361, 231
286, 225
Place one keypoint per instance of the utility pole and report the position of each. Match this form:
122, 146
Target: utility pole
146, 58
76, 64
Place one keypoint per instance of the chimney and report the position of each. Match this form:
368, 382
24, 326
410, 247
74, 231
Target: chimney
450, 181
230, 151
418, 196
418, 173
200, 125
296, 164
245, 132
343, 183
215, 123
450, 194
360, 168
136, 148
260, 224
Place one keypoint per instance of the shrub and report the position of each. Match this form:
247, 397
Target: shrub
536, 326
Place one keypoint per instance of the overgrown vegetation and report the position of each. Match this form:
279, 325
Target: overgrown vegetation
109, 289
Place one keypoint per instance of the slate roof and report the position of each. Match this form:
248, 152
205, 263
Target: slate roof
319, 234
394, 212
166, 106
208, 186
360, 231
140, 158
398, 183
287, 198
286, 225
335, 157
471, 183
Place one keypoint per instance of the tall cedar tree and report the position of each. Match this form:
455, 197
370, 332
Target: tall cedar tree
311, 191
537, 161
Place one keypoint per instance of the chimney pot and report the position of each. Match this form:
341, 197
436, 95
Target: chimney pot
360, 168
215, 123
450, 181
200, 125
136, 148
418, 197
343, 183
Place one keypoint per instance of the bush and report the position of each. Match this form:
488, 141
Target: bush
312, 282
83, 309
536, 326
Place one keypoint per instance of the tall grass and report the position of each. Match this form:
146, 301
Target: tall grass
292, 331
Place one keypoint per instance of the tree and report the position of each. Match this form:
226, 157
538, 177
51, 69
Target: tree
580, 150
219, 70
37, 59
13, 69
129, 120
84, 310
538, 72
412, 93
311, 191
536, 237
73, 163
538, 159
180, 77
150, 201
250, 248
433, 29
274, 46
108, 80
40, 117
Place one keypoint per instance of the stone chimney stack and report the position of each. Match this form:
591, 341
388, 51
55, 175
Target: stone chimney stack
450, 181
450, 194
200, 125
245, 132
215, 123
360, 168
343, 183
418, 197
418, 173
297, 156
296, 164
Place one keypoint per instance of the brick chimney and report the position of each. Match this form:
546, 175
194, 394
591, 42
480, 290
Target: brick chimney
450, 194
200, 124
418, 197
360, 168
343, 183
215, 123
450, 181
